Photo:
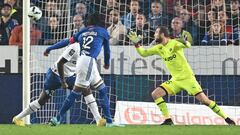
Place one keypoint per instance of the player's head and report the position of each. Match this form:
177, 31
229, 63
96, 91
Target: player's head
161, 33
94, 19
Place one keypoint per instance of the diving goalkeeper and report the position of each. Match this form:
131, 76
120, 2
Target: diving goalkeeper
183, 78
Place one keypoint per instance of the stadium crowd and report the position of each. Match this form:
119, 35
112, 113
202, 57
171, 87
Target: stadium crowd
209, 22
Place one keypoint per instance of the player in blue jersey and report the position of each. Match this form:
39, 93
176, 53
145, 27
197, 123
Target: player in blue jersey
91, 39
62, 73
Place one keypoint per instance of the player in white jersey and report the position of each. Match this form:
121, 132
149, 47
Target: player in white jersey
61, 74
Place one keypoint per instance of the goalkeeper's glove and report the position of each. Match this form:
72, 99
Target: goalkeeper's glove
183, 39
134, 37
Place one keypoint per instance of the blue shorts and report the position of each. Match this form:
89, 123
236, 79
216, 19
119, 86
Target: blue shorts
53, 81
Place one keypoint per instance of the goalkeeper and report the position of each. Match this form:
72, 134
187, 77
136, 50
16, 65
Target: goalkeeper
183, 78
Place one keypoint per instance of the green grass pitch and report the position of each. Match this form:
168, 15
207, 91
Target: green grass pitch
80, 129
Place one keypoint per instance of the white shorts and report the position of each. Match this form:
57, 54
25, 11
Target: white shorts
87, 73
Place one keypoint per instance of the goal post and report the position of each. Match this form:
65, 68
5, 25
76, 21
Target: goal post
26, 59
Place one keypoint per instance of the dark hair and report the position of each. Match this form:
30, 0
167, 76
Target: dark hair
135, 1
95, 19
156, 1
6, 5
164, 30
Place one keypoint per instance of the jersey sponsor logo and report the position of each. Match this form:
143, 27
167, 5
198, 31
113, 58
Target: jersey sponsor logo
74, 62
170, 57
71, 52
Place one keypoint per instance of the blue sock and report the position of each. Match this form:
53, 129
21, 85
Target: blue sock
105, 103
68, 102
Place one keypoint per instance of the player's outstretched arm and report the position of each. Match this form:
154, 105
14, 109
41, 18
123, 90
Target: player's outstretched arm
136, 39
58, 45
146, 52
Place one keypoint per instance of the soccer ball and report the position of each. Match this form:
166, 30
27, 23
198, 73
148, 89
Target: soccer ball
35, 13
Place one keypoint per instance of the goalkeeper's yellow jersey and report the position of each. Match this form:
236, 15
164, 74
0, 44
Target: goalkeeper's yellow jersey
173, 56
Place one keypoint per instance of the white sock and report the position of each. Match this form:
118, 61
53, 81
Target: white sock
91, 103
32, 107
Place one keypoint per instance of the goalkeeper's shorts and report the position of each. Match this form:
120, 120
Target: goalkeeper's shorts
190, 85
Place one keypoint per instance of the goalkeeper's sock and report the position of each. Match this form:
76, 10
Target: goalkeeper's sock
68, 102
91, 103
163, 107
217, 109
33, 107
105, 103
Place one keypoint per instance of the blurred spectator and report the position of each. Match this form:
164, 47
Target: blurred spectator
17, 11
156, 17
218, 5
53, 33
189, 25
211, 17
78, 23
81, 9
50, 9
129, 19
222, 16
177, 8
178, 32
215, 36
142, 28
172, 7
16, 37
234, 20
110, 5
116, 30
6, 24
201, 22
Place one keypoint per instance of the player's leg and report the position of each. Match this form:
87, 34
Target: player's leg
193, 88
51, 83
167, 88
157, 95
69, 101
98, 84
214, 107
81, 85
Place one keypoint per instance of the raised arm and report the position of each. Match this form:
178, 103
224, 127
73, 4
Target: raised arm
146, 52
62, 43
136, 39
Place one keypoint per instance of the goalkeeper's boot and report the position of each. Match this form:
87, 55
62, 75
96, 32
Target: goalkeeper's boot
229, 121
168, 122
114, 125
101, 122
18, 122
54, 121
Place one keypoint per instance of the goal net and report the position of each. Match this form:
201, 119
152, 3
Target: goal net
214, 56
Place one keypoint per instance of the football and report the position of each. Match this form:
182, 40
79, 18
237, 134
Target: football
35, 13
